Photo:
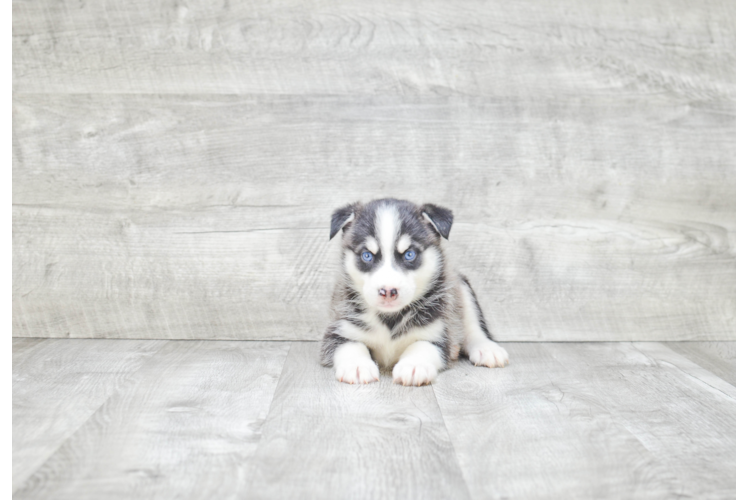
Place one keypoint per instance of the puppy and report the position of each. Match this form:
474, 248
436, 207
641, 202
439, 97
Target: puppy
397, 303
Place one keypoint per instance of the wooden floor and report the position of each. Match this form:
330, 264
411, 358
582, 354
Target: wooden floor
235, 419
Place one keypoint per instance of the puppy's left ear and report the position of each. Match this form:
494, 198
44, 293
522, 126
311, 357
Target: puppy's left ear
439, 217
342, 217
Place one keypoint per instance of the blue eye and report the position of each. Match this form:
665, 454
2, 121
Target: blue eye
367, 256
410, 255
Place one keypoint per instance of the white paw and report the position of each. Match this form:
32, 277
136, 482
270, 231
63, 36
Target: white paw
410, 373
361, 372
488, 353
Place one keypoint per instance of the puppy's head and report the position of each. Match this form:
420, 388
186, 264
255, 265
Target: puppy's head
391, 249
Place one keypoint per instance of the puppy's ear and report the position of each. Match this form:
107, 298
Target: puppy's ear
439, 217
342, 217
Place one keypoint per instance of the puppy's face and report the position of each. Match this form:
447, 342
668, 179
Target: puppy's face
391, 249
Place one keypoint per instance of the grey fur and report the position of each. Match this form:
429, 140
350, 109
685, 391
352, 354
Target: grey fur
330, 343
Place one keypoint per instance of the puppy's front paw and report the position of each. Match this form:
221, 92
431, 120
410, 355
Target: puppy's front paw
488, 353
359, 372
409, 373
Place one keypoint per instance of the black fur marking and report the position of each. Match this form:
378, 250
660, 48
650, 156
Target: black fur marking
419, 313
339, 217
392, 320
365, 226
441, 217
354, 309
367, 267
410, 265
481, 318
354, 300
412, 224
330, 343
357, 322
443, 346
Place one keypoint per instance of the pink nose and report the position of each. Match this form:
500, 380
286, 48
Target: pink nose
388, 294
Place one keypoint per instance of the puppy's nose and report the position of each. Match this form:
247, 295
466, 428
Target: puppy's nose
388, 293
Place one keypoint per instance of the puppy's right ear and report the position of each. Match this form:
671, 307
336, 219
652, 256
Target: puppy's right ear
342, 218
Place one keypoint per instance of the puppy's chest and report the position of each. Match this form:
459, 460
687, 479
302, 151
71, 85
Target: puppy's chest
386, 348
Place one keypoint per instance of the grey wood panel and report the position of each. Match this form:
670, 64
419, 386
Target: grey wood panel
147, 280
500, 159
205, 217
717, 357
544, 48
185, 429
324, 439
740, 367
59, 384
24, 347
592, 420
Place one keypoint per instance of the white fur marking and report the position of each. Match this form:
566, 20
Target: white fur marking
371, 245
418, 365
488, 353
479, 348
384, 348
387, 226
387, 275
358, 278
403, 244
354, 365
473, 331
427, 271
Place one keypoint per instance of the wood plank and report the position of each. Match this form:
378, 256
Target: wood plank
324, 439
184, 429
593, 420
174, 217
24, 347
534, 282
356, 47
492, 160
59, 384
717, 357
659, 353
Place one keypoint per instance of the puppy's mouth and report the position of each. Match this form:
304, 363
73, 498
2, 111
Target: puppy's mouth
389, 306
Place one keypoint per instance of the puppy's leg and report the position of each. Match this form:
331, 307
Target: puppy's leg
419, 363
478, 345
351, 360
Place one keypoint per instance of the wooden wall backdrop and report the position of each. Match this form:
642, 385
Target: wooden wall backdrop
175, 163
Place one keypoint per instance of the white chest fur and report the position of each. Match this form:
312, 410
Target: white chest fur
385, 350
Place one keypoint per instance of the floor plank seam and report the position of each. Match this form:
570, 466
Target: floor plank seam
275, 394
72, 434
452, 444
685, 373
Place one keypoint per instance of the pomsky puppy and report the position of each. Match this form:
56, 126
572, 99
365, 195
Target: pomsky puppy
397, 303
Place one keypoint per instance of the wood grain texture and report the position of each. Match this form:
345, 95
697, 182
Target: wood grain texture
229, 420
717, 357
591, 420
183, 429
440, 47
58, 384
324, 439
205, 217
605, 155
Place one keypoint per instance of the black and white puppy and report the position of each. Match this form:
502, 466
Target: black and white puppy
397, 303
